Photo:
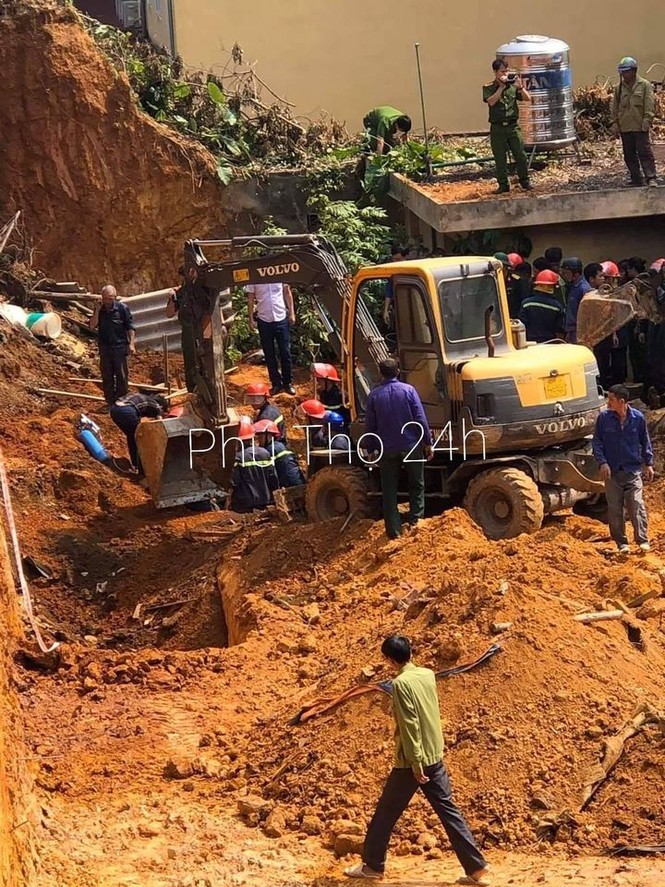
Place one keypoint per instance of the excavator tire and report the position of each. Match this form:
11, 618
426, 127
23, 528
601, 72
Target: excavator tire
337, 492
504, 502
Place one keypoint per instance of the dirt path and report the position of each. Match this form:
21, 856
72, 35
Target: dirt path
111, 818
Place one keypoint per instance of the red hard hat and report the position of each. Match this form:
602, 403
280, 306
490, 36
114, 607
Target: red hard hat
266, 426
246, 429
313, 408
548, 278
610, 269
325, 371
256, 392
515, 259
657, 265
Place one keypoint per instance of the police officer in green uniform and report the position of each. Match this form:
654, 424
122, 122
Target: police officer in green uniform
385, 126
502, 96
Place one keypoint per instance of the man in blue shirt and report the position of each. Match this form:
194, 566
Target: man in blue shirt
577, 286
622, 448
395, 415
116, 336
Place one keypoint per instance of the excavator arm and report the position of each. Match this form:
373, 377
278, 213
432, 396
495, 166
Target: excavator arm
304, 260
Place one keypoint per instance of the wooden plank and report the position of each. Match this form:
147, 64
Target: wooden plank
50, 296
159, 389
56, 393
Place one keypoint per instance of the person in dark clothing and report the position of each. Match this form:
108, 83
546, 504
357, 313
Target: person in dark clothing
289, 473
554, 258
116, 337
637, 330
520, 288
257, 394
656, 336
392, 406
418, 765
328, 389
622, 448
127, 414
541, 313
179, 302
254, 477
612, 353
577, 286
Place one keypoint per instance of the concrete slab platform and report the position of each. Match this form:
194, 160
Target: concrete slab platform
520, 209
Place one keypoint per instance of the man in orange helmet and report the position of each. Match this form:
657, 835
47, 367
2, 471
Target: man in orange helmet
541, 313
612, 352
257, 394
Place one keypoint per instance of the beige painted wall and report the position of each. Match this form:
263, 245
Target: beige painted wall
347, 56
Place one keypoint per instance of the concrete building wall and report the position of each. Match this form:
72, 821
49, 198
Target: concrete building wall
613, 239
345, 56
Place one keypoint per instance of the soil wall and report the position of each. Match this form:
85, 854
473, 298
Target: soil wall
17, 855
107, 194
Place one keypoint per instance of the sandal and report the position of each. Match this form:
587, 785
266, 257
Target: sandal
361, 871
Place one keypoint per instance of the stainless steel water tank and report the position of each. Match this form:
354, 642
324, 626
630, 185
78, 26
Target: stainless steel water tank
544, 63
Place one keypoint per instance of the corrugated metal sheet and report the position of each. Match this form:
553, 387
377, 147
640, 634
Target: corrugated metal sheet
151, 322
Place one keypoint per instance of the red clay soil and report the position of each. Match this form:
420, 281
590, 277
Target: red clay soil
163, 757
107, 194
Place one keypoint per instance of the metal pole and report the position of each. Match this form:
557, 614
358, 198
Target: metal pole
165, 354
428, 160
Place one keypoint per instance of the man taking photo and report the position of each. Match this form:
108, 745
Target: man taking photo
501, 96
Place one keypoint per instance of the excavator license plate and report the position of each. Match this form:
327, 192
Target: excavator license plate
556, 387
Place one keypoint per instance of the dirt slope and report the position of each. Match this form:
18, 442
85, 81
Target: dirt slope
107, 193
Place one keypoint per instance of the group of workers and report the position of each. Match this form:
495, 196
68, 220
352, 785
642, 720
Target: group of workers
264, 462
633, 111
546, 296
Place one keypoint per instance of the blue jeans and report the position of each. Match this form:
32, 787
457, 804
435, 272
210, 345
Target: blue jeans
269, 333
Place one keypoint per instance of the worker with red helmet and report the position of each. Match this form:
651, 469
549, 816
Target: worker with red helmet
520, 287
257, 395
289, 473
328, 389
254, 477
612, 352
323, 432
541, 313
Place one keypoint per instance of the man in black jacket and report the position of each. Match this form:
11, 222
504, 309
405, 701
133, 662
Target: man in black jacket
127, 414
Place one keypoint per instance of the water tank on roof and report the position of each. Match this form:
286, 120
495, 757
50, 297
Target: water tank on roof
544, 63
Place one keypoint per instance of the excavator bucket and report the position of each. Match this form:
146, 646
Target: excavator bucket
183, 460
604, 311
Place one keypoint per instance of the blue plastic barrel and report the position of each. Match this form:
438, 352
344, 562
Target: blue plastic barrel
93, 445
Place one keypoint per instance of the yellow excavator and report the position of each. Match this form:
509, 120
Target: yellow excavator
511, 420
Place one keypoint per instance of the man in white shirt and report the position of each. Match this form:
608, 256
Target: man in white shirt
274, 312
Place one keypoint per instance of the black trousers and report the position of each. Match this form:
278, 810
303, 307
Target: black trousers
612, 363
637, 152
269, 333
127, 419
115, 375
400, 787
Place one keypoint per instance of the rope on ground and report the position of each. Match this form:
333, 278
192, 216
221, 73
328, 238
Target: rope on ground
326, 703
25, 590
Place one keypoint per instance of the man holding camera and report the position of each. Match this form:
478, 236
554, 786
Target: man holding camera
502, 96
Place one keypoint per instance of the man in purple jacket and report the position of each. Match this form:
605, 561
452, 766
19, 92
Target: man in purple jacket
395, 414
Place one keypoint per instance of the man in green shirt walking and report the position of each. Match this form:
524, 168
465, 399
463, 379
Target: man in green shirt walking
386, 126
633, 110
502, 96
418, 765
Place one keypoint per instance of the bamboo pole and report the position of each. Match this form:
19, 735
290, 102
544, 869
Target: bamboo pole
76, 394
156, 388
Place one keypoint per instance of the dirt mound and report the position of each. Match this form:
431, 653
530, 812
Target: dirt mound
87, 168
522, 731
